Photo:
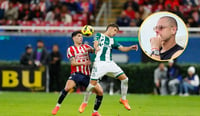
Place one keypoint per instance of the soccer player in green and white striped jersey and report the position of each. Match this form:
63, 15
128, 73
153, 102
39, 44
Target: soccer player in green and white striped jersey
104, 65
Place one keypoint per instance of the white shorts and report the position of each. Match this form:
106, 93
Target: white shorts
101, 68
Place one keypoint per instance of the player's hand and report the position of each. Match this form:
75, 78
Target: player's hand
134, 47
155, 42
90, 50
87, 63
96, 50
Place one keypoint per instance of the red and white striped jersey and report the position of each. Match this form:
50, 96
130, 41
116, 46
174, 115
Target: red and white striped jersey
81, 55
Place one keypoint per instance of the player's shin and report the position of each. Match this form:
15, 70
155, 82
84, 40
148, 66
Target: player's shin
124, 88
97, 102
62, 96
86, 96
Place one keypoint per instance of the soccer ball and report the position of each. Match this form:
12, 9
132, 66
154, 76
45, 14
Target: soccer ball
87, 30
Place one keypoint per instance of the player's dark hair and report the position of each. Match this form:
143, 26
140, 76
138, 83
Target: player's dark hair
75, 33
112, 25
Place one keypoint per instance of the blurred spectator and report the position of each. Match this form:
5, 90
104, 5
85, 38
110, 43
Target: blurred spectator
137, 21
65, 16
37, 15
144, 12
73, 6
43, 6
158, 6
86, 6
4, 4
27, 57
178, 12
173, 74
54, 68
190, 2
160, 79
11, 13
146, 3
130, 12
190, 83
191, 22
54, 3
131, 3
40, 55
25, 13
171, 4
123, 19
53, 15
195, 13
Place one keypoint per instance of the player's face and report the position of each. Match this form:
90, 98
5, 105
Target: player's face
164, 29
78, 39
113, 31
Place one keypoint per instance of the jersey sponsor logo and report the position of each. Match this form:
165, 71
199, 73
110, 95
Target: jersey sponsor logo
82, 56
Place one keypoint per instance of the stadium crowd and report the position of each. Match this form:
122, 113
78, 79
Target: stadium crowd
81, 12
46, 12
135, 11
170, 80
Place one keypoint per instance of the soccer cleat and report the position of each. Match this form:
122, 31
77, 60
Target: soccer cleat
55, 110
125, 103
95, 114
82, 107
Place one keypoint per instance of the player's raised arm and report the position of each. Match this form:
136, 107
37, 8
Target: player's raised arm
96, 42
126, 49
96, 46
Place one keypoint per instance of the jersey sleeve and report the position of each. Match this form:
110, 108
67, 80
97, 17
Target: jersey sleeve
70, 53
87, 46
116, 45
97, 36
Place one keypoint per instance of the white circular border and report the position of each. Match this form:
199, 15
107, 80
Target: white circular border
146, 31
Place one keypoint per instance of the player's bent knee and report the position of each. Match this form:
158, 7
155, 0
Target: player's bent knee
67, 89
122, 77
100, 93
125, 80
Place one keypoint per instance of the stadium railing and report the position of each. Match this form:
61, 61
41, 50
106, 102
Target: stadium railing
63, 29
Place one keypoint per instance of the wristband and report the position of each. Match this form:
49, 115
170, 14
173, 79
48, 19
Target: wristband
152, 49
155, 52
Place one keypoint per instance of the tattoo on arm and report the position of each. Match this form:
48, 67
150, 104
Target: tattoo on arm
72, 59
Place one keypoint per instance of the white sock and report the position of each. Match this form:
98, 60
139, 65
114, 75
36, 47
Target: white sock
87, 93
124, 88
58, 104
86, 97
94, 111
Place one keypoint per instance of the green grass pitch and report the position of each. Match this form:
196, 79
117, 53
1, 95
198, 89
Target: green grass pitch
41, 104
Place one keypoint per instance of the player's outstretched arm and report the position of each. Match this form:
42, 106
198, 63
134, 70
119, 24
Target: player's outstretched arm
126, 49
74, 63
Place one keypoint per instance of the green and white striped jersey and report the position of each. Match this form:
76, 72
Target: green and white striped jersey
106, 44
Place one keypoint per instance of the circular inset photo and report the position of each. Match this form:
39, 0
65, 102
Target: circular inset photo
163, 36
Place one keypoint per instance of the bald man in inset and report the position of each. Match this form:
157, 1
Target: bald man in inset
164, 46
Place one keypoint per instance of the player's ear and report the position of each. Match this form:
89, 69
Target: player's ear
173, 30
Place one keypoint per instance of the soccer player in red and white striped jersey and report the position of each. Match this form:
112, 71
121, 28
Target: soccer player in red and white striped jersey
78, 55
